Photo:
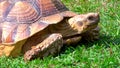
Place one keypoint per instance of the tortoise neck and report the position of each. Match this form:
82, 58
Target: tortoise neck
63, 28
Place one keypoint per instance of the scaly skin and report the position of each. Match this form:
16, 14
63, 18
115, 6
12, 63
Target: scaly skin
91, 35
50, 46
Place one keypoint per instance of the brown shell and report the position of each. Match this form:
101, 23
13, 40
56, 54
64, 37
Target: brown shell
20, 19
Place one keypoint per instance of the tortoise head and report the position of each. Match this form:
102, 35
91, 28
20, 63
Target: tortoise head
84, 22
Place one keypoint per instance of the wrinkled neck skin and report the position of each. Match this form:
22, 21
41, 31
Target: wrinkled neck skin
63, 28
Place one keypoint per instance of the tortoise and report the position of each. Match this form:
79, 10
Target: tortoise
38, 28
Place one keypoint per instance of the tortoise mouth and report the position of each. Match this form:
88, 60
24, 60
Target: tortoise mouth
92, 26
94, 20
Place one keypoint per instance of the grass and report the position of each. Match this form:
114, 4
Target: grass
104, 53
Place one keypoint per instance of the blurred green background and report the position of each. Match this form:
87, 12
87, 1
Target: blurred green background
104, 53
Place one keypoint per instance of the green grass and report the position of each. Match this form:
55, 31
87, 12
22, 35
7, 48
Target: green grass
104, 53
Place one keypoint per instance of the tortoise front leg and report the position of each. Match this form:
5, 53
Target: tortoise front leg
72, 40
91, 35
50, 46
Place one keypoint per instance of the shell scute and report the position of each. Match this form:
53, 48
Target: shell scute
8, 32
3, 7
22, 12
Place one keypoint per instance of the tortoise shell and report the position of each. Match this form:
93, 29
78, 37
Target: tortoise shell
20, 19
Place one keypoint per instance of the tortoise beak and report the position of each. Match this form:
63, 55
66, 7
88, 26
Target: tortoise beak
93, 18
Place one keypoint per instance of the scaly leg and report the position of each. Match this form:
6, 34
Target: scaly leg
72, 41
50, 46
91, 35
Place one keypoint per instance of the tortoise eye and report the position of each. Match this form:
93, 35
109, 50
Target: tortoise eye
91, 18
